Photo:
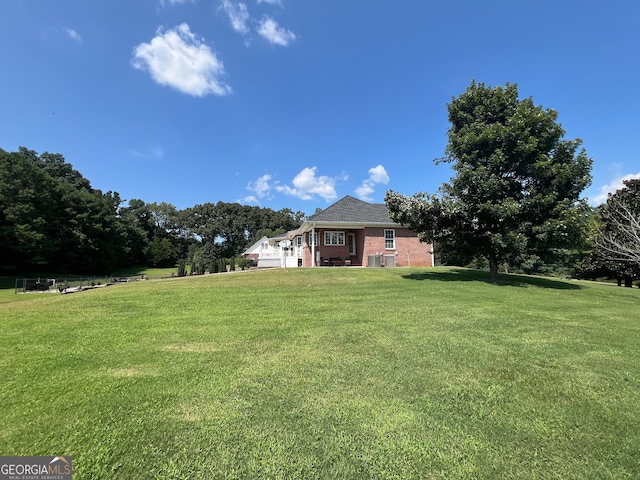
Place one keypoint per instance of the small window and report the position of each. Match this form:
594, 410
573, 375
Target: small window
298, 241
390, 239
312, 238
334, 238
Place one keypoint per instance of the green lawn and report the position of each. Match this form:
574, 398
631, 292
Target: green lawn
9, 284
327, 373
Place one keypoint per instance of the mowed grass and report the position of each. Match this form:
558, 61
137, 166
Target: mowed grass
327, 373
9, 285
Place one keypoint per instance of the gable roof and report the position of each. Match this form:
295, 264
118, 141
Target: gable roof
255, 248
352, 210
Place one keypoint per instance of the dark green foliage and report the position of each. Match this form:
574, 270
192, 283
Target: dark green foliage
198, 262
182, 267
515, 195
52, 219
243, 263
231, 227
162, 253
26, 207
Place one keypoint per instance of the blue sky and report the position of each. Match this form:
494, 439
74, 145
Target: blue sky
297, 103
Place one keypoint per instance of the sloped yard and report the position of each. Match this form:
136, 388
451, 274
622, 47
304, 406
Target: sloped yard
327, 373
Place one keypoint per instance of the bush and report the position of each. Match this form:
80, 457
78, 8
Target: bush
182, 267
161, 253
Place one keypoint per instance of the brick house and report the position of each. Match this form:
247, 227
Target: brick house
352, 232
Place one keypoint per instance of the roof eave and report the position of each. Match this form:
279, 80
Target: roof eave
308, 225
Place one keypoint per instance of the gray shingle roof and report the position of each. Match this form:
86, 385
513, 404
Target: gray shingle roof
352, 210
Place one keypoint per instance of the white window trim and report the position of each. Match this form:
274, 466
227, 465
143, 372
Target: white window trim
392, 238
314, 236
340, 238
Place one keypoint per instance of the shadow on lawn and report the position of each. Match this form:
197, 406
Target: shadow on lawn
506, 280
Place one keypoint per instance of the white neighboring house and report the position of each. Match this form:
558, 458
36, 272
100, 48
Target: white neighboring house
275, 252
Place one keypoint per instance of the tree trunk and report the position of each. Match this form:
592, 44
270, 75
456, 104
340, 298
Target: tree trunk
493, 268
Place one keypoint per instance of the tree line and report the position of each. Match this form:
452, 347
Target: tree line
513, 204
53, 220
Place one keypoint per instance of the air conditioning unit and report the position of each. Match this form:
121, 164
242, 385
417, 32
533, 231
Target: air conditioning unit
374, 261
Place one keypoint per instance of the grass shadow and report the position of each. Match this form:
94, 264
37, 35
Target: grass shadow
508, 280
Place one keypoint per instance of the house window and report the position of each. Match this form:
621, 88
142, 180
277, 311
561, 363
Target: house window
390, 239
313, 237
334, 238
298, 241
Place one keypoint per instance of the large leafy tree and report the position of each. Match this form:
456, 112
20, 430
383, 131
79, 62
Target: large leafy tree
162, 253
27, 205
137, 229
51, 218
233, 226
515, 195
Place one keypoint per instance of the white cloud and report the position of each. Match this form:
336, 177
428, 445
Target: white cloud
238, 15
306, 186
179, 59
261, 187
173, 2
270, 2
156, 152
364, 192
270, 31
616, 184
377, 175
73, 35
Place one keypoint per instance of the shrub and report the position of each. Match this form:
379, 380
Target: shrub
182, 267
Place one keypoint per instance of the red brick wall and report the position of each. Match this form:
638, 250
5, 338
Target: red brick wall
327, 251
412, 251
252, 256
408, 249
370, 241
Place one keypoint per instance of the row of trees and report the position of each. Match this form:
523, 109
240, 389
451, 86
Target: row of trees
514, 202
515, 197
52, 219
